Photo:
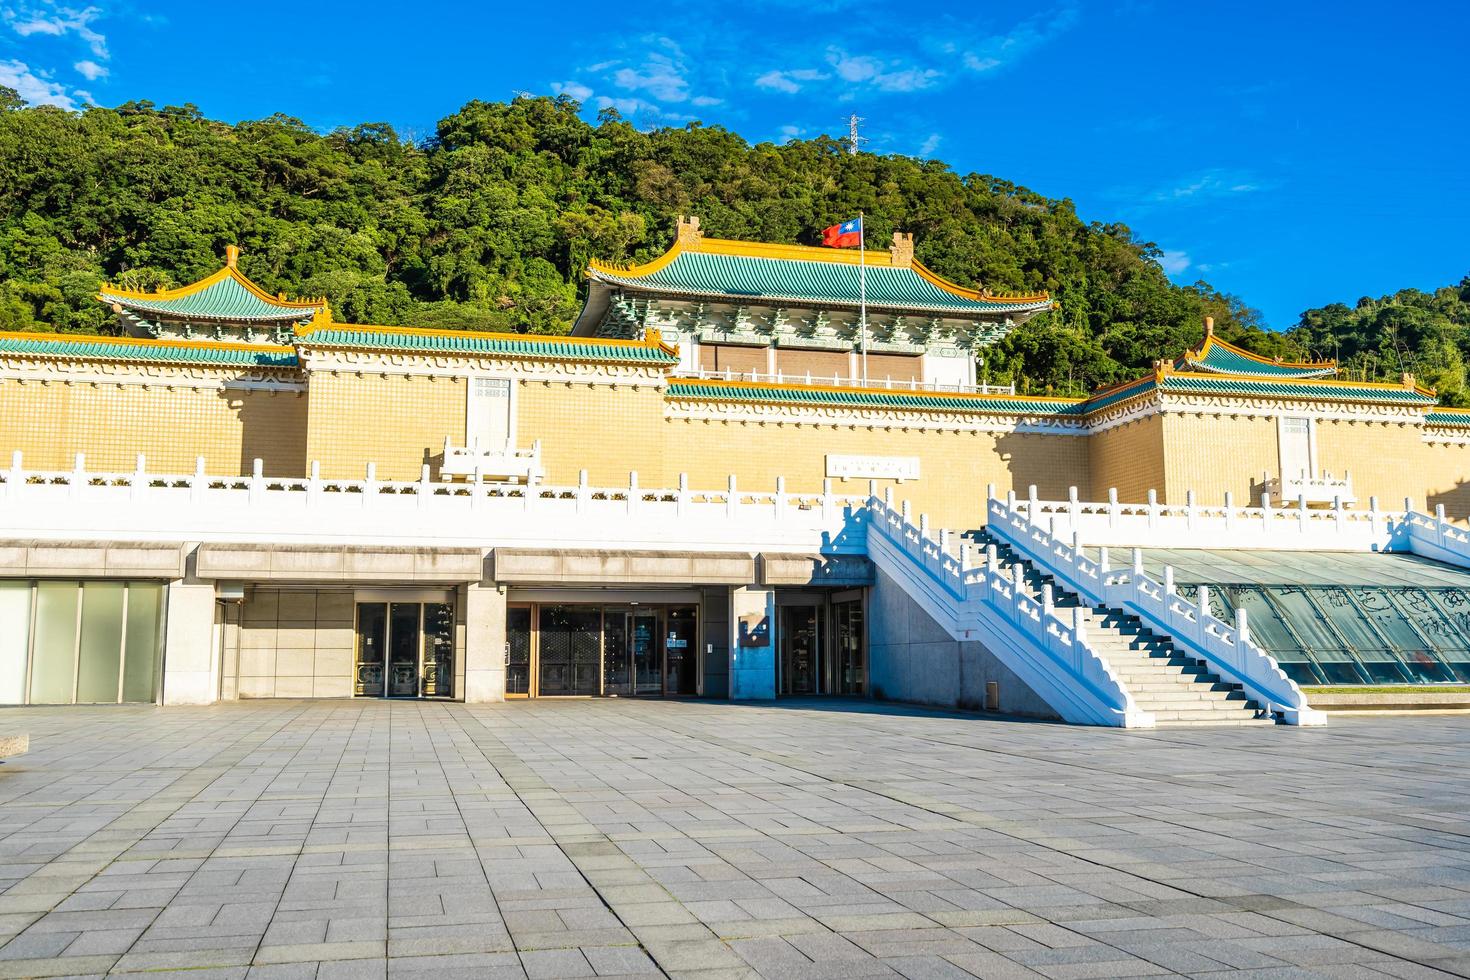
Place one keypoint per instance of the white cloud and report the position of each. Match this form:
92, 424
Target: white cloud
705, 100
1174, 261
36, 87
55, 21
930, 145
1207, 185
881, 74
575, 90
661, 74
789, 133
791, 81
991, 53
90, 70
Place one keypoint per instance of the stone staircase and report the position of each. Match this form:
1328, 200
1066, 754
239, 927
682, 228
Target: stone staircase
1178, 690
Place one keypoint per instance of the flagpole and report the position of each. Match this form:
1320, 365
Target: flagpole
863, 290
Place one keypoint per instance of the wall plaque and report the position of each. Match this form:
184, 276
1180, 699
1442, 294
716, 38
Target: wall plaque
873, 467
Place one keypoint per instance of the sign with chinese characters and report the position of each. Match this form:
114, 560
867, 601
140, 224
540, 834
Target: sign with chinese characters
873, 467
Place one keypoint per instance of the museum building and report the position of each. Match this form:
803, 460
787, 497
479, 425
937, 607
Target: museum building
237, 496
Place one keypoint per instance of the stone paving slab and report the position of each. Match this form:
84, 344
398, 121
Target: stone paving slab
808, 839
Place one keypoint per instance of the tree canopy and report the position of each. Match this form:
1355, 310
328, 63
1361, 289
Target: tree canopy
489, 224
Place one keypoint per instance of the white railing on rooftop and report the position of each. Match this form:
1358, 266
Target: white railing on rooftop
1051, 654
142, 505
1294, 527
1194, 630
838, 381
504, 462
1318, 490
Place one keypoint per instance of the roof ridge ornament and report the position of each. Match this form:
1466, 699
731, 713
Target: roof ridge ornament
688, 234
901, 252
232, 256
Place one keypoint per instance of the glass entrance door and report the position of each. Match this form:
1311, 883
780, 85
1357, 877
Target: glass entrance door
647, 659
681, 652
404, 650
800, 649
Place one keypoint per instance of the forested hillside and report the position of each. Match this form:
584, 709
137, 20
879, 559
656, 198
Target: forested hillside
489, 223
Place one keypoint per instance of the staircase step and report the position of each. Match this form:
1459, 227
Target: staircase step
1203, 714
1214, 723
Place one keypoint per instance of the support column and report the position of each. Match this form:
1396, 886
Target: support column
190, 648
484, 643
752, 643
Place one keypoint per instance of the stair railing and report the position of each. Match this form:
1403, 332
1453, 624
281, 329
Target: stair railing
1227, 648
982, 602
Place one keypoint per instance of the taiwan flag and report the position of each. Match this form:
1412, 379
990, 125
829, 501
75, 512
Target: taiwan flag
845, 235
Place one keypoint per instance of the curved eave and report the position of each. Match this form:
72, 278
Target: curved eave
971, 309
412, 340
161, 302
1301, 389
827, 396
1199, 360
119, 350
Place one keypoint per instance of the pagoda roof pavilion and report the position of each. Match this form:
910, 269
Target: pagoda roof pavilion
1215, 356
227, 296
726, 271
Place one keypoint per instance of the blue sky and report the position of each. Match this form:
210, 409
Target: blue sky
1292, 153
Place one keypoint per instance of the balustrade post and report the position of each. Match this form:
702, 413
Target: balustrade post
1301, 513
257, 481
1375, 519
477, 485
732, 498
1048, 600
370, 486
1011, 501
1229, 511
1242, 626
992, 560
681, 505
1113, 507
1266, 512
944, 542
426, 487
633, 493
1074, 505
906, 511
140, 476
1137, 565
780, 498
16, 479
1190, 509
1153, 508
1018, 587
829, 502
1033, 506
990, 492
888, 497
314, 483
199, 483
1408, 506
1104, 564
584, 492
78, 478
1337, 511
1168, 583
1201, 630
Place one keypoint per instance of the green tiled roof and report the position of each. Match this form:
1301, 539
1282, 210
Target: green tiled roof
1325, 391
801, 280
1445, 417
1221, 358
202, 353
226, 299
470, 342
857, 398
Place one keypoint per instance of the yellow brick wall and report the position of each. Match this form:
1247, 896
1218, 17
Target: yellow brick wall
112, 424
954, 467
398, 422
1128, 458
1212, 454
1392, 461
605, 430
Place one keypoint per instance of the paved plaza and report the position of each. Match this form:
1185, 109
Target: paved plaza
811, 839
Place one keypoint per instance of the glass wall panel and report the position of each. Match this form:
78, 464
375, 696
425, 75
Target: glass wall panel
403, 649
848, 617
372, 646
438, 650
53, 658
681, 650
1323, 645
15, 640
1454, 604
646, 655
140, 655
617, 669
518, 650
1427, 665
99, 665
1269, 632
1378, 607
570, 650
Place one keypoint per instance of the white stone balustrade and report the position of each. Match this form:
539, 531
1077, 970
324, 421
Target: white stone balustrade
500, 463
982, 604
1318, 491
1194, 630
140, 505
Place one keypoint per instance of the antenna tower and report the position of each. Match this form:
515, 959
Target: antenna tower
854, 141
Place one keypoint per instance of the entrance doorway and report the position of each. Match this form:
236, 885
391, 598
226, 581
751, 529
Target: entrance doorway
404, 650
625, 650
822, 645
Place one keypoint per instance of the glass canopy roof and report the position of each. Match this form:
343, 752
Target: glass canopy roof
1338, 618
